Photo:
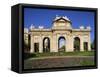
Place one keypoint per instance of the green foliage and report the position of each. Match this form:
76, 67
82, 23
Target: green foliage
48, 54
77, 43
93, 45
62, 49
29, 55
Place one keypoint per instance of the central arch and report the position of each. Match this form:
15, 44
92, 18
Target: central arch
46, 44
61, 44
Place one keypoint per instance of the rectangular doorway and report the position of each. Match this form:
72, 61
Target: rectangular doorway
36, 47
86, 46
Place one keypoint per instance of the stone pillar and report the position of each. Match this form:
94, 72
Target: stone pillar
89, 44
81, 44
41, 45
54, 43
69, 43
51, 44
32, 44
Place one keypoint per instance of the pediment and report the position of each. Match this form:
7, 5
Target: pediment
61, 19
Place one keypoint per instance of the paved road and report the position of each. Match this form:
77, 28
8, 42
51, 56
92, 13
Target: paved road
62, 61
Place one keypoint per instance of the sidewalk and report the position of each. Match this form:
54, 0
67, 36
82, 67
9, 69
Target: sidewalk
47, 57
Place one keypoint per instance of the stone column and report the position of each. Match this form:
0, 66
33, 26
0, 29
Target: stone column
69, 43
81, 44
32, 44
54, 43
50, 43
41, 45
89, 44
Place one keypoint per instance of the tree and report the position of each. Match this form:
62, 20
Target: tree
93, 45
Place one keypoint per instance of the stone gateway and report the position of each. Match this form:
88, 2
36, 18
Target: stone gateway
49, 40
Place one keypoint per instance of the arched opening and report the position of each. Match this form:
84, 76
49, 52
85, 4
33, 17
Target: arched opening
76, 44
61, 44
46, 44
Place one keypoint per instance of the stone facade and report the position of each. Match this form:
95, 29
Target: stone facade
26, 38
61, 27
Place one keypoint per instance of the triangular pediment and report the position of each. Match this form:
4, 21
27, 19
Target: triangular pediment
61, 19
62, 23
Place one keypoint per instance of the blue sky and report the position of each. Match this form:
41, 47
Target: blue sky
45, 17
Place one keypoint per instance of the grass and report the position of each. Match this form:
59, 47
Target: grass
31, 63
47, 54
86, 63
